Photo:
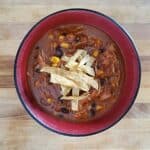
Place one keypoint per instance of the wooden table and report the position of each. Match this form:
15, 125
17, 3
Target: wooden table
18, 131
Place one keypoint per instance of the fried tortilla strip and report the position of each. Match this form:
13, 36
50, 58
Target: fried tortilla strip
74, 103
77, 98
65, 58
75, 91
89, 80
87, 59
70, 75
85, 65
72, 61
87, 70
82, 80
65, 90
55, 78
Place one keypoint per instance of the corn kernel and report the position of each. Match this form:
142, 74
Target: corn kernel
54, 65
61, 38
113, 84
49, 100
64, 45
54, 44
98, 43
100, 72
99, 107
54, 60
50, 36
95, 53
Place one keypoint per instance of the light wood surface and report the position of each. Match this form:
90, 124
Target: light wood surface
18, 131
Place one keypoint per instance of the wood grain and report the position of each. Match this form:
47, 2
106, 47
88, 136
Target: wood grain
19, 131
21, 29
15, 13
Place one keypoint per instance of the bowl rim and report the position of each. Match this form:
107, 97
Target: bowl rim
138, 65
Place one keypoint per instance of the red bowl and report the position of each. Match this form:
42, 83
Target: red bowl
129, 88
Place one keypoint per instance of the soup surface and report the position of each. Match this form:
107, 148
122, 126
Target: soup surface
75, 72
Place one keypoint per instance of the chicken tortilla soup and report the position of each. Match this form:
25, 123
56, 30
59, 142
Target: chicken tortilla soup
75, 72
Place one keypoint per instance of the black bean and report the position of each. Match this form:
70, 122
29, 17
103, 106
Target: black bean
92, 112
59, 97
61, 101
64, 110
77, 39
102, 81
93, 104
37, 68
59, 51
35, 57
102, 50
37, 47
60, 116
44, 102
99, 65
64, 33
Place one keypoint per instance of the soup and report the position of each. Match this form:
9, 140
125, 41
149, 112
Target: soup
75, 72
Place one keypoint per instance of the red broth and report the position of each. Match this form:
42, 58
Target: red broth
108, 68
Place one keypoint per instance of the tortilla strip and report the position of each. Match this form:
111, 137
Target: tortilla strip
65, 90
86, 59
75, 91
90, 62
77, 98
70, 75
65, 58
87, 70
82, 80
85, 65
55, 78
74, 103
89, 80
72, 61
